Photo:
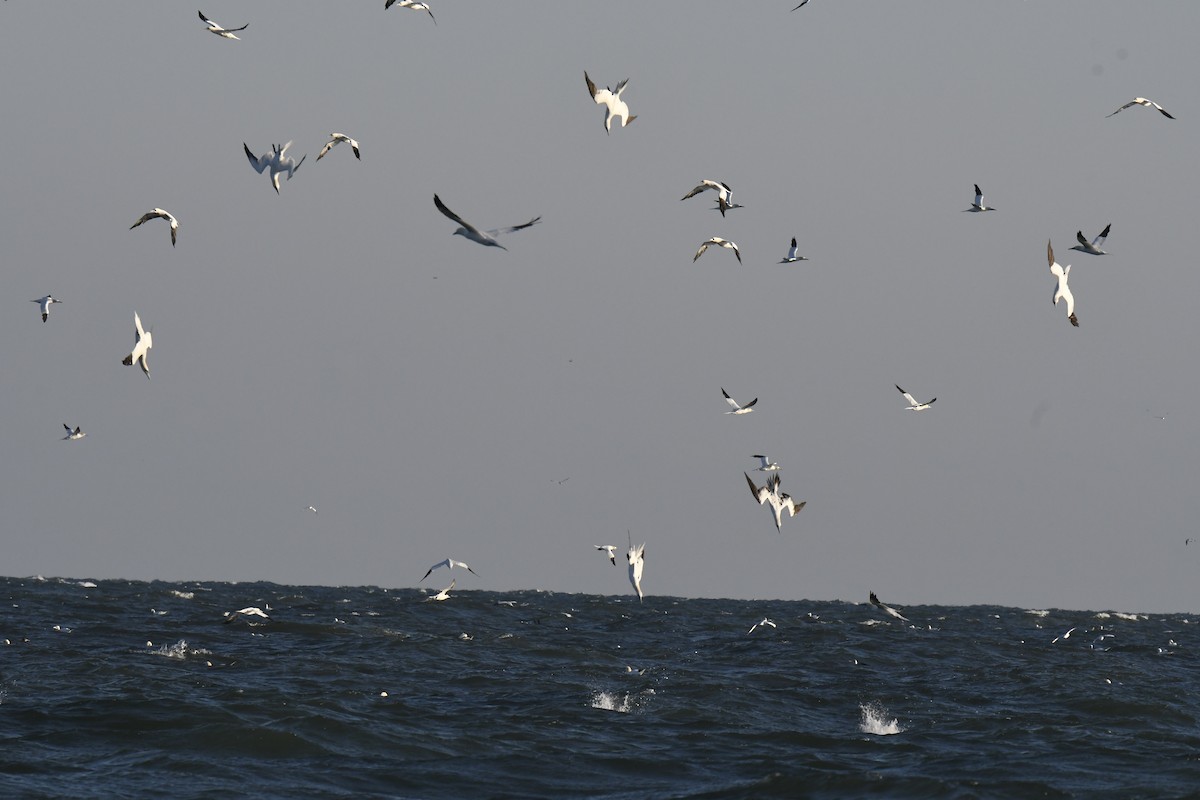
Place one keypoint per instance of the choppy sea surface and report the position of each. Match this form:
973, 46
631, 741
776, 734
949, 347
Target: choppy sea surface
131, 689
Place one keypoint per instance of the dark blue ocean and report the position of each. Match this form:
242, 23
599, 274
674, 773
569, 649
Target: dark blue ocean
126, 689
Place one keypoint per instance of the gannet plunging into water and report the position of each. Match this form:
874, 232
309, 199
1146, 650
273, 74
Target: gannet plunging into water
1092, 247
73, 434
444, 594
224, 33
717, 240
780, 501
614, 106
913, 405
978, 204
158, 213
338, 138
449, 564
1061, 289
142, 342
791, 256
611, 550
413, 4
767, 464
724, 193
738, 409
45, 303
887, 609
276, 161
469, 231
637, 559
1141, 101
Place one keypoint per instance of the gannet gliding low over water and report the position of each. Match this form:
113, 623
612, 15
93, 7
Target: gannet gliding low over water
614, 106
276, 161
724, 193
767, 464
791, 256
248, 611
1061, 289
1141, 101
469, 231
717, 240
913, 405
780, 501
1092, 247
611, 549
637, 559
887, 609
158, 213
449, 564
764, 621
338, 138
73, 434
738, 409
444, 594
978, 204
45, 303
413, 4
224, 33
142, 342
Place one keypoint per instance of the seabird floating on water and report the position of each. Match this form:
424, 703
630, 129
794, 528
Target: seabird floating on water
717, 240
886, 608
276, 161
724, 193
338, 138
449, 564
469, 231
1061, 289
142, 342
978, 204
791, 257
1142, 101
413, 4
611, 550
73, 434
913, 405
1092, 247
780, 501
45, 303
159, 213
738, 409
224, 33
614, 106
767, 464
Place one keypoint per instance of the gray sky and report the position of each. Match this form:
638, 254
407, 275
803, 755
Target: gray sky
337, 346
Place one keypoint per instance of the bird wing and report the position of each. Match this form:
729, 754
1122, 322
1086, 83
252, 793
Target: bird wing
328, 146
1099, 240
620, 87
704, 185
1050, 254
1122, 108
437, 201
510, 229
911, 400
730, 400
761, 493
258, 163
591, 86
1079, 236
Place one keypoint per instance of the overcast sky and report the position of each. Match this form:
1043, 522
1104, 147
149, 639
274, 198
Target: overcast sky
336, 346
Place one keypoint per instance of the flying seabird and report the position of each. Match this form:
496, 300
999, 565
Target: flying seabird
413, 4
978, 204
791, 256
1092, 247
802, 5
1066, 635
764, 621
1061, 290
611, 549
159, 213
142, 342
444, 594
780, 501
276, 161
717, 240
225, 33
767, 464
724, 193
338, 138
913, 405
637, 558
45, 303
887, 609
313, 509
73, 434
614, 106
469, 231
1141, 101
449, 564
738, 409
248, 611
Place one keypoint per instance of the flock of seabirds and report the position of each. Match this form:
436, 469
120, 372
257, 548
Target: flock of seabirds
277, 164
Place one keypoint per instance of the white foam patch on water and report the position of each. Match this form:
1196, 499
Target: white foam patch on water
183, 595
180, 649
875, 720
621, 702
1037, 612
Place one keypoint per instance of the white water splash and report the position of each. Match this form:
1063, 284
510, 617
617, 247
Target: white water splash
875, 720
621, 703
180, 649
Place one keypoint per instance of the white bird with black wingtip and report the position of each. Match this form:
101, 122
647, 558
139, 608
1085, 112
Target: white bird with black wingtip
224, 33
276, 162
1061, 290
1092, 247
614, 106
792, 257
158, 213
736, 408
449, 564
45, 303
913, 405
469, 231
336, 139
